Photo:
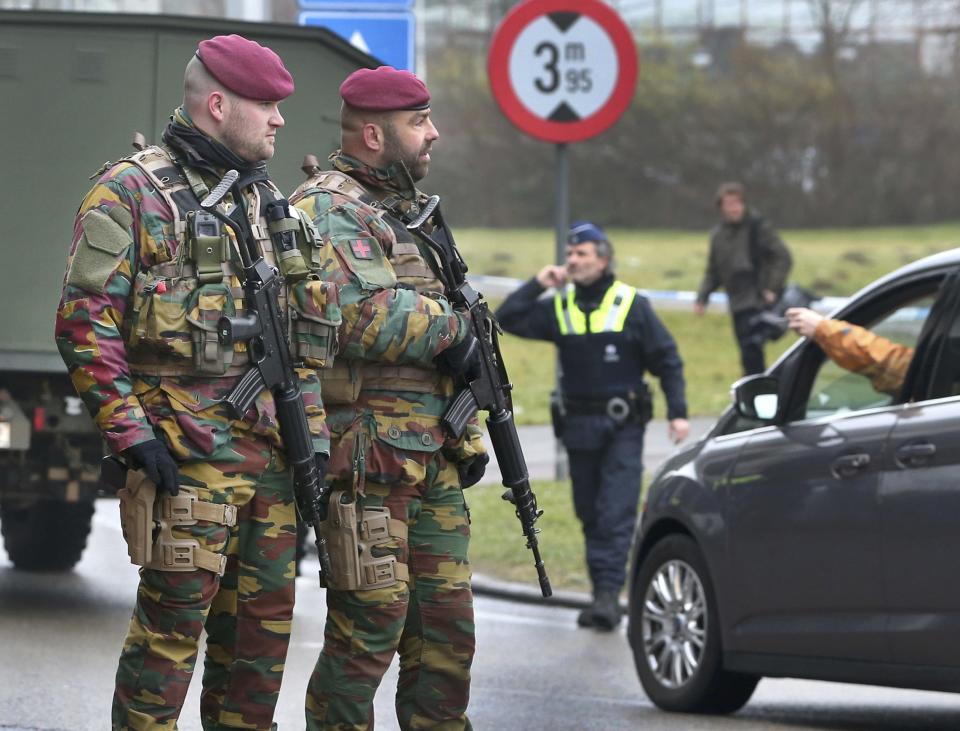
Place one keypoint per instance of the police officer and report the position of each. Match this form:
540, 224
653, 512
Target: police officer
136, 326
607, 335
392, 466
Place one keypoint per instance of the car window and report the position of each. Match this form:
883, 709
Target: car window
946, 373
880, 363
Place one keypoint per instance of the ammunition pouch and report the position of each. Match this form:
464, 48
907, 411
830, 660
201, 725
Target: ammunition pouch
343, 383
210, 303
147, 521
350, 540
288, 234
314, 311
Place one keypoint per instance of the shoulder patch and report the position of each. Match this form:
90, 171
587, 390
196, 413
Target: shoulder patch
364, 258
99, 250
361, 249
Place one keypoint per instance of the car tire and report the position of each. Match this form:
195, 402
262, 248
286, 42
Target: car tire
45, 535
675, 637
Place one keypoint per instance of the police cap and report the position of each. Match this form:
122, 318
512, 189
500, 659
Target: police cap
584, 231
384, 89
246, 68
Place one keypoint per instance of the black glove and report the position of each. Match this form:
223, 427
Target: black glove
462, 359
155, 459
471, 471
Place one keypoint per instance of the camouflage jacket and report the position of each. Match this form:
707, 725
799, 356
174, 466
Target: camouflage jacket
136, 328
396, 319
858, 350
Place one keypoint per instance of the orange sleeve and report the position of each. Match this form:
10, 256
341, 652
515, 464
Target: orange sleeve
859, 350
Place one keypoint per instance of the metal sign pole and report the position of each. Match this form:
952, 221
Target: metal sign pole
562, 223
538, 45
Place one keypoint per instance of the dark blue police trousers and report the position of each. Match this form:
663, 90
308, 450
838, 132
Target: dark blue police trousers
606, 467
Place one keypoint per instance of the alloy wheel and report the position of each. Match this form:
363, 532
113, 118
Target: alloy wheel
674, 624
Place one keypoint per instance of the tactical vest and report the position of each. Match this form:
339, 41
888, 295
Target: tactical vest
171, 328
344, 382
597, 356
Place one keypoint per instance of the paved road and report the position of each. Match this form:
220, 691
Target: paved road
60, 635
539, 448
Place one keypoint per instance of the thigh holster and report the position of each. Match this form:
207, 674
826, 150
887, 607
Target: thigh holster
351, 540
147, 520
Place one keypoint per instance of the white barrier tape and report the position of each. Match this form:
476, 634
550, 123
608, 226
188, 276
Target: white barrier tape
663, 298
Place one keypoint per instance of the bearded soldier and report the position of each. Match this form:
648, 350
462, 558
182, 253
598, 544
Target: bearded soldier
150, 274
394, 471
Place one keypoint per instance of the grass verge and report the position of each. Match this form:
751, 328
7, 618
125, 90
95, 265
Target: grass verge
830, 261
498, 548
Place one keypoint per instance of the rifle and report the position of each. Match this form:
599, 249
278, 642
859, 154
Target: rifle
490, 390
263, 330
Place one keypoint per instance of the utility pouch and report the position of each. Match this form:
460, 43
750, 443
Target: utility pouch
351, 540
643, 403
210, 303
285, 230
158, 320
341, 384
557, 414
314, 318
209, 245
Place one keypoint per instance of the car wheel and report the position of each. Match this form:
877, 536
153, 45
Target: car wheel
675, 634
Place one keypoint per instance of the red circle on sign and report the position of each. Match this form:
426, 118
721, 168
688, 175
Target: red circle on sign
498, 68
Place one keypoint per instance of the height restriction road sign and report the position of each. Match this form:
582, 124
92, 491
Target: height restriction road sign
562, 70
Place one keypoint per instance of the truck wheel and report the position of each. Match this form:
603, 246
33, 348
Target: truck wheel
45, 535
675, 635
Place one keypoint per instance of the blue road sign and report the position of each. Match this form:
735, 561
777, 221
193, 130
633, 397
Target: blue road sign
387, 36
356, 4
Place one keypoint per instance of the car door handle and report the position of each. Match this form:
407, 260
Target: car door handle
850, 464
916, 454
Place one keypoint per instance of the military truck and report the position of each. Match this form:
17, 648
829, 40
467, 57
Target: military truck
76, 87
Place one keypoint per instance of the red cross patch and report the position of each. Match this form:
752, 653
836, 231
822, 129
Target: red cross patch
361, 249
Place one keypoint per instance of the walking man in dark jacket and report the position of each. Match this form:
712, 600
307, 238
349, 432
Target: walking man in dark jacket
750, 261
608, 336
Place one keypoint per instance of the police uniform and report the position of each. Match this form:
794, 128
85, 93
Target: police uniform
136, 326
607, 336
390, 458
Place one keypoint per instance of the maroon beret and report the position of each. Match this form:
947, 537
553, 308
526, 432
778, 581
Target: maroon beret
246, 68
385, 89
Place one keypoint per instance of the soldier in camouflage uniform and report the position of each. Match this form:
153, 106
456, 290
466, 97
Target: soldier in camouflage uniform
400, 345
136, 327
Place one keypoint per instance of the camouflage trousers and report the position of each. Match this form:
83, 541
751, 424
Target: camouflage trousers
428, 621
246, 613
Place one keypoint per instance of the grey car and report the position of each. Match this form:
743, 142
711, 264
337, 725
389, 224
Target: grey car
814, 532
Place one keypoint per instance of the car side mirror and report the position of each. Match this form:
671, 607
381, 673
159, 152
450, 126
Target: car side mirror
757, 397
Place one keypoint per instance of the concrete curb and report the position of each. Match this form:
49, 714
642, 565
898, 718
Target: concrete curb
530, 593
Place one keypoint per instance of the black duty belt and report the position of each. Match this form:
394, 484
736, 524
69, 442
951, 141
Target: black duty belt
619, 408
